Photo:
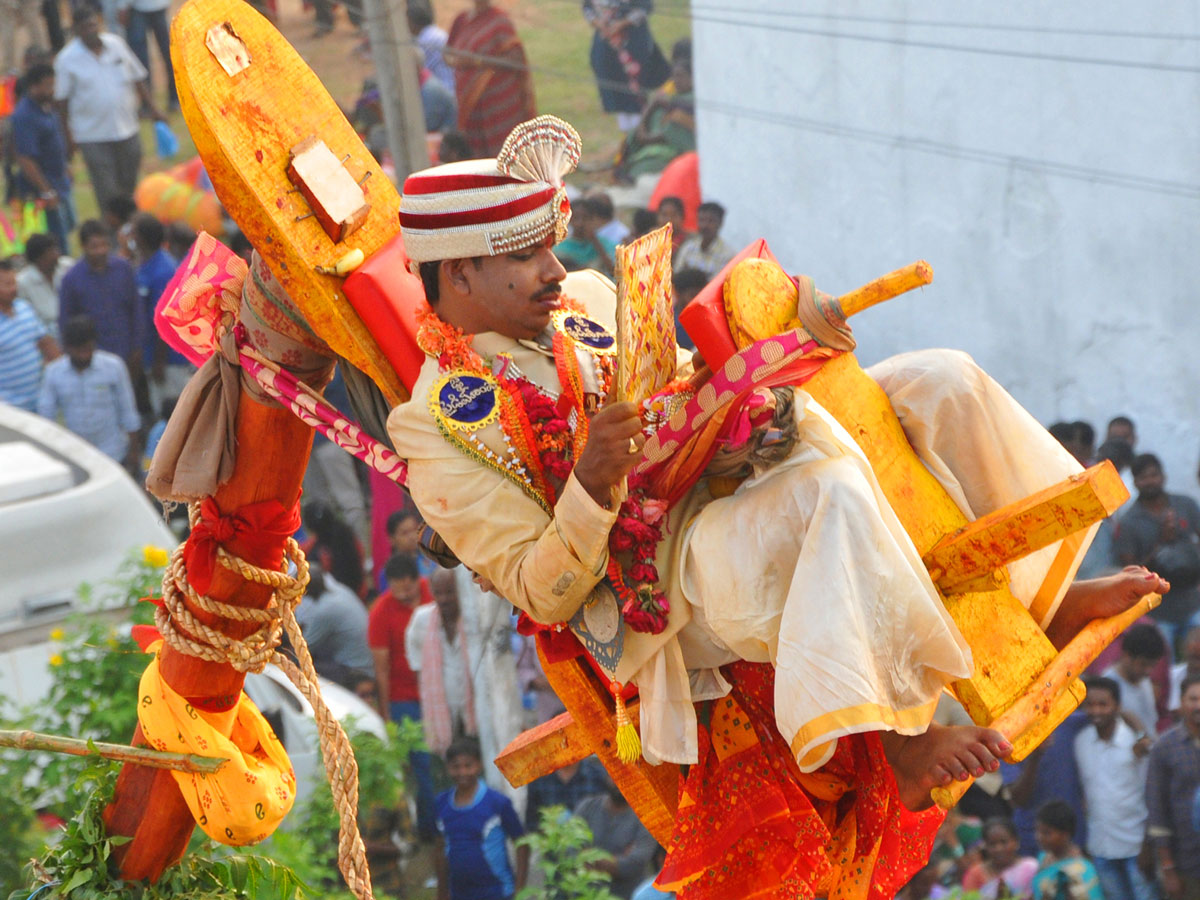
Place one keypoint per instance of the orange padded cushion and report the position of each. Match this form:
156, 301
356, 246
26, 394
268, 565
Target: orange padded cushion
386, 297
704, 318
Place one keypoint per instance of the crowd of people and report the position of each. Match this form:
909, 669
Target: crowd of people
1105, 808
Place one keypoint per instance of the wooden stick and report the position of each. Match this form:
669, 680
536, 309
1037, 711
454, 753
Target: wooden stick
1057, 677
158, 759
891, 285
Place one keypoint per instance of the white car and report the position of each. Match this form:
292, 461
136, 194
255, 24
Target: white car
68, 514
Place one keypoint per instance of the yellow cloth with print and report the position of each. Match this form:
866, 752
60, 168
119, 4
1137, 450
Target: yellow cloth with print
246, 800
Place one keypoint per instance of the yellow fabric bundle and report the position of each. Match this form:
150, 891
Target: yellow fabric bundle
246, 800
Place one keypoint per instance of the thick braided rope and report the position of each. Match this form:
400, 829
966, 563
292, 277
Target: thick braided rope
253, 653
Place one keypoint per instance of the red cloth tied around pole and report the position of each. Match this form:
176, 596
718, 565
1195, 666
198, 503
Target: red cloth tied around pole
259, 528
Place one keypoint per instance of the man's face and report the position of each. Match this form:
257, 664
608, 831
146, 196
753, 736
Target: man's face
1135, 668
81, 356
406, 590
708, 223
670, 212
96, 250
42, 90
1119, 431
87, 27
407, 537
516, 293
444, 588
1191, 652
1101, 708
1189, 708
584, 224
1149, 483
49, 258
8, 287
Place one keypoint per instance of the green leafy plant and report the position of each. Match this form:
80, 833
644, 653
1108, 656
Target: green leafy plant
77, 867
309, 848
94, 668
563, 845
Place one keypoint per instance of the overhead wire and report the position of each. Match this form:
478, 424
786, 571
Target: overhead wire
923, 145
775, 27
931, 23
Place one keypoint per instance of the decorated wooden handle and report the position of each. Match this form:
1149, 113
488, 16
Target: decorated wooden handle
891, 285
1066, 667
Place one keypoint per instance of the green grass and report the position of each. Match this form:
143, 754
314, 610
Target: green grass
557, 40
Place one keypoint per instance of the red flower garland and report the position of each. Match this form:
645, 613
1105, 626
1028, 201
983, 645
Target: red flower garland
638, 531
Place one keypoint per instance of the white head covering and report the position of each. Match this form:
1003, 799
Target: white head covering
485, 207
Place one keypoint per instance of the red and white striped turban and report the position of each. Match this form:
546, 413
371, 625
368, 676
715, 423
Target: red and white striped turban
485, 207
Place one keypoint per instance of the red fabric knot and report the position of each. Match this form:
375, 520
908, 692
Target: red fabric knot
259, 528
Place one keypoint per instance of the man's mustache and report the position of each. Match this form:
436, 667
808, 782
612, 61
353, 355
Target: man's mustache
550, 292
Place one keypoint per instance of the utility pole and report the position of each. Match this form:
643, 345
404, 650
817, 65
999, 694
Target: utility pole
399, 91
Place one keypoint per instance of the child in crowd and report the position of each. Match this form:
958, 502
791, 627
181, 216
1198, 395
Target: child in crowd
473, 823
404, 535
1003, 872
1064, 873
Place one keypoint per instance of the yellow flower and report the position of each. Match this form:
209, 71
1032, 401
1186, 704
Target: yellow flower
56, 660
155, 556
57, 634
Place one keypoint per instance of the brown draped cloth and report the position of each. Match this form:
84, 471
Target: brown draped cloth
492, 98
197, 451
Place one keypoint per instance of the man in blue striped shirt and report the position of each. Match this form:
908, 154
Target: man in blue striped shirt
92, 390
24, 344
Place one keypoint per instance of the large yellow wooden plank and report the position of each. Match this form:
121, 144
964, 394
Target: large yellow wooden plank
1009, 649
979, 548
244, 125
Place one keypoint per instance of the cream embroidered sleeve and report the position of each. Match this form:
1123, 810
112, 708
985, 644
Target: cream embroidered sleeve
545, 566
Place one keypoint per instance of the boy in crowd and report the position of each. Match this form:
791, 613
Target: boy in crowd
474, 823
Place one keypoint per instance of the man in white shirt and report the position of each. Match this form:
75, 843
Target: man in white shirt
91, 389
1141, 648
435, 644
1111, 759
98, 84
705, 251
40, 277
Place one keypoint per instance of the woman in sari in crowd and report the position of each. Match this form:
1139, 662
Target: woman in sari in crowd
492, 80
668, 125
1003, 873
625, 58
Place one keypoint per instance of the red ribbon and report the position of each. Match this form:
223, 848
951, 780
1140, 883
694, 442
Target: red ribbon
259, 529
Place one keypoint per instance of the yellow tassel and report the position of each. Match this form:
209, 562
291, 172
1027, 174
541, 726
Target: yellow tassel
629, 745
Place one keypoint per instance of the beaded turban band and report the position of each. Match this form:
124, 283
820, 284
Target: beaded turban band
485, 207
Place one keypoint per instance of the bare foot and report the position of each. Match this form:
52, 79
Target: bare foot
1099, 598
939, 756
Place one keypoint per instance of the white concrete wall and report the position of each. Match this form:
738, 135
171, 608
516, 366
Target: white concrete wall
1080, 296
